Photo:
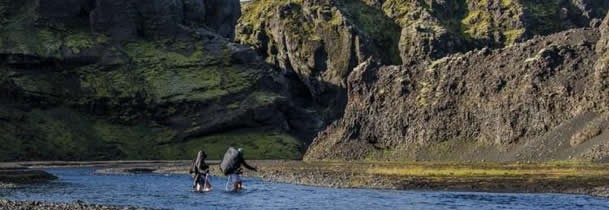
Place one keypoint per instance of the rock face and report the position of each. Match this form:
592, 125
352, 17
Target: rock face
322, 41
125, 19
433, 98
151, 79
222, 15
507, 99
316, 43
602, 48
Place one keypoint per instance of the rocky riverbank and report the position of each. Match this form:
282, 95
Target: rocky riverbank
35, 205
530, 177
547, 177
13, 174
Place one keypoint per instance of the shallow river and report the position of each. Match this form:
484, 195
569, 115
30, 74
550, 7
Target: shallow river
173, 192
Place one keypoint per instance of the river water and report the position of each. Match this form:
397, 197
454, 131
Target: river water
173, 192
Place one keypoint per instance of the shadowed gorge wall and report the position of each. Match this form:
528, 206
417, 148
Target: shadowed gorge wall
89, 80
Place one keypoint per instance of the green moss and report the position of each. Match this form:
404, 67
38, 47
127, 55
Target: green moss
477, 23
62, 134
135, 142
83, 40
158, 52
120, 83
511, 36
423, 93
234, 106
401, 11
264, 98
336, 19
164, 75
56, 134
383, 30
255, 11
257, 145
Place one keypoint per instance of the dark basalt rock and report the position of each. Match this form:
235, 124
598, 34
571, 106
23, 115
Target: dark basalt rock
222, 16
85, 76
320, 42
538, 93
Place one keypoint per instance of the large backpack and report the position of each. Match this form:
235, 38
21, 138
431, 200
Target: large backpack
230, 163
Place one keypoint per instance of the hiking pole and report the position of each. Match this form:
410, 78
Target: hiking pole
227, 183
205, 183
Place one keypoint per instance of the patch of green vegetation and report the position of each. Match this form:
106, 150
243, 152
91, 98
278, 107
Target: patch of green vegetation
401, 11
56, 134
257, 145
423, 93
255, 11
264, 98
511, 36
62, 134
197, 83
176, 76
477, 23
120, 83
553, 170
383, 30
135, 142
480, 23
193, 83
162, 52
83, 40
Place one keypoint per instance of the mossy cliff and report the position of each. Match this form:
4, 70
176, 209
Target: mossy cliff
543, 99
89, 80
319, 42
315, 43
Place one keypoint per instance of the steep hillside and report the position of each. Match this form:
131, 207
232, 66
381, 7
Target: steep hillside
539, 100
124, 79
319, 42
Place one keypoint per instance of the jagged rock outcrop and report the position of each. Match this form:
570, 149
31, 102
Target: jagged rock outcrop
317, 43
485, 104
321, 41
434, 29
152, 79
602, 48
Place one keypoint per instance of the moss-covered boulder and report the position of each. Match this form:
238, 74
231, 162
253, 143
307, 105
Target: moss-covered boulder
84, 80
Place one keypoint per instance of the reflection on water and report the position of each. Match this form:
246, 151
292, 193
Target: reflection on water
173, 191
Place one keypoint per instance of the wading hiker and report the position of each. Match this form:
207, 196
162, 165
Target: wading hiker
200, 170
231, 167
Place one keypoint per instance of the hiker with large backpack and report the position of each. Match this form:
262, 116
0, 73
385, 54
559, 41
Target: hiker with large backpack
231, 167
200, 171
